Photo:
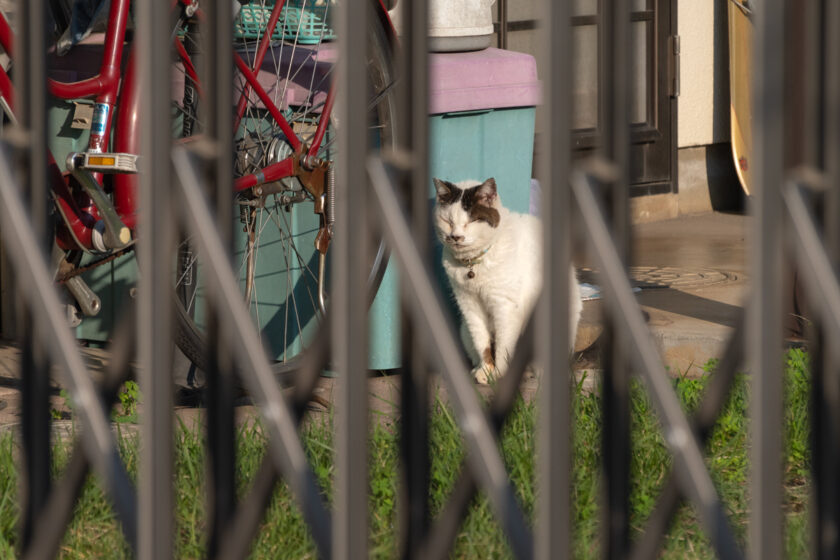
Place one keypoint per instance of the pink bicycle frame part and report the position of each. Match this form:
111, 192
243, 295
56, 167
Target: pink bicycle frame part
7, 40
250, 75
80, 214
323, 122
252, 82
188, 65
262, 49
127, 141
273, 172
105, 84
79, 222
269, 104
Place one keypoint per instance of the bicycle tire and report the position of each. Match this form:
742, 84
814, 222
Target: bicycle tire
189, 335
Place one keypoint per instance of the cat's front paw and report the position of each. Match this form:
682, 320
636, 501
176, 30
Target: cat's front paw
533, 372
484, 373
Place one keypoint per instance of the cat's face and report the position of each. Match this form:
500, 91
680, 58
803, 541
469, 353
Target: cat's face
466, 214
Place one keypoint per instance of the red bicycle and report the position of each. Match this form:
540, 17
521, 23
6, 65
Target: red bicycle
282, 194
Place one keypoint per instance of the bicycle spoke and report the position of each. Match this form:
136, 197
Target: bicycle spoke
257, 244
289, 76
303, 266
300, 258
180, 279
192, 47
188, 270
290, 294
315, 66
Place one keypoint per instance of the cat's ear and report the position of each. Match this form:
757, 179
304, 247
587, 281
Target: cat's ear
445, 191
486, 193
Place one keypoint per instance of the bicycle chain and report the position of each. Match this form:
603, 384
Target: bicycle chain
82, 269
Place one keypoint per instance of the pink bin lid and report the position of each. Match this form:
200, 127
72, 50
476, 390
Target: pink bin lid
487, 79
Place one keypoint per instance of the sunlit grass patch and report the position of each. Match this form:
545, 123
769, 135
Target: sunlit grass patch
95, 530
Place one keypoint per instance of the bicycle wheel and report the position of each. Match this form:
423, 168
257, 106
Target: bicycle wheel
276, 228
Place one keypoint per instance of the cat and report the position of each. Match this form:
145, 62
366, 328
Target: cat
493, 259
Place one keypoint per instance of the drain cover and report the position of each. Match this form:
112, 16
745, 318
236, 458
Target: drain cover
648, 277
679, 278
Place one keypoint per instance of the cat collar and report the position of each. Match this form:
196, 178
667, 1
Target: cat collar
470, 263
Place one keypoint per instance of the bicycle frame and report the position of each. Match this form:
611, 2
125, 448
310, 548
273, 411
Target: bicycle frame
116, 88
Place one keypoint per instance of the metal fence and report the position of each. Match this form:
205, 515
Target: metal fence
188, 189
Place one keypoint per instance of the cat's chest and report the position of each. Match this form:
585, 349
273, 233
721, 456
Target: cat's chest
476, 277
506, 270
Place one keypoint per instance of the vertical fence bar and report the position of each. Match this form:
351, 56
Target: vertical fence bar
501, 41
220, 73
216, 41
155, 251
831, 120
764, 352
553, 531
30, 88
616, 409
615, 42
31, 98
419, 108
414, 394
826, 385
348, 300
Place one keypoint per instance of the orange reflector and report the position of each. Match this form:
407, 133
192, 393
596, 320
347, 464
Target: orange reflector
101, 160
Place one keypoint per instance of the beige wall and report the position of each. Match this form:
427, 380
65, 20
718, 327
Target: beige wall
704, 80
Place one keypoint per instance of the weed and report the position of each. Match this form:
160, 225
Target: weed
129, 397
57, 414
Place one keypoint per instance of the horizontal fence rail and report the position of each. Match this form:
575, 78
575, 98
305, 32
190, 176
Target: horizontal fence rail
384, 191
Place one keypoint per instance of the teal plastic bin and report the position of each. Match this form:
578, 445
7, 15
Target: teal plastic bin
482, 106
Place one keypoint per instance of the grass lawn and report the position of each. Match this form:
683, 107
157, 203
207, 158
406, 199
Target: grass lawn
94, 532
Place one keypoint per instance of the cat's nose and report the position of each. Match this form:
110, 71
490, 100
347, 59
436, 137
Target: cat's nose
452, 238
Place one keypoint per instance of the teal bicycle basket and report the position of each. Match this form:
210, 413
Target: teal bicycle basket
306, 21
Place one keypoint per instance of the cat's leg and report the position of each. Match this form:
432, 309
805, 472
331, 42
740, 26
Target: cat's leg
482, 350
486, 368
575, 307
469, 345
477, 326
507, 326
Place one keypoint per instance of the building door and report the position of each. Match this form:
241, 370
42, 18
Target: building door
654, 80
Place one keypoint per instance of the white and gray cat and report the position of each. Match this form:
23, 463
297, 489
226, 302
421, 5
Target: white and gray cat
493, 258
